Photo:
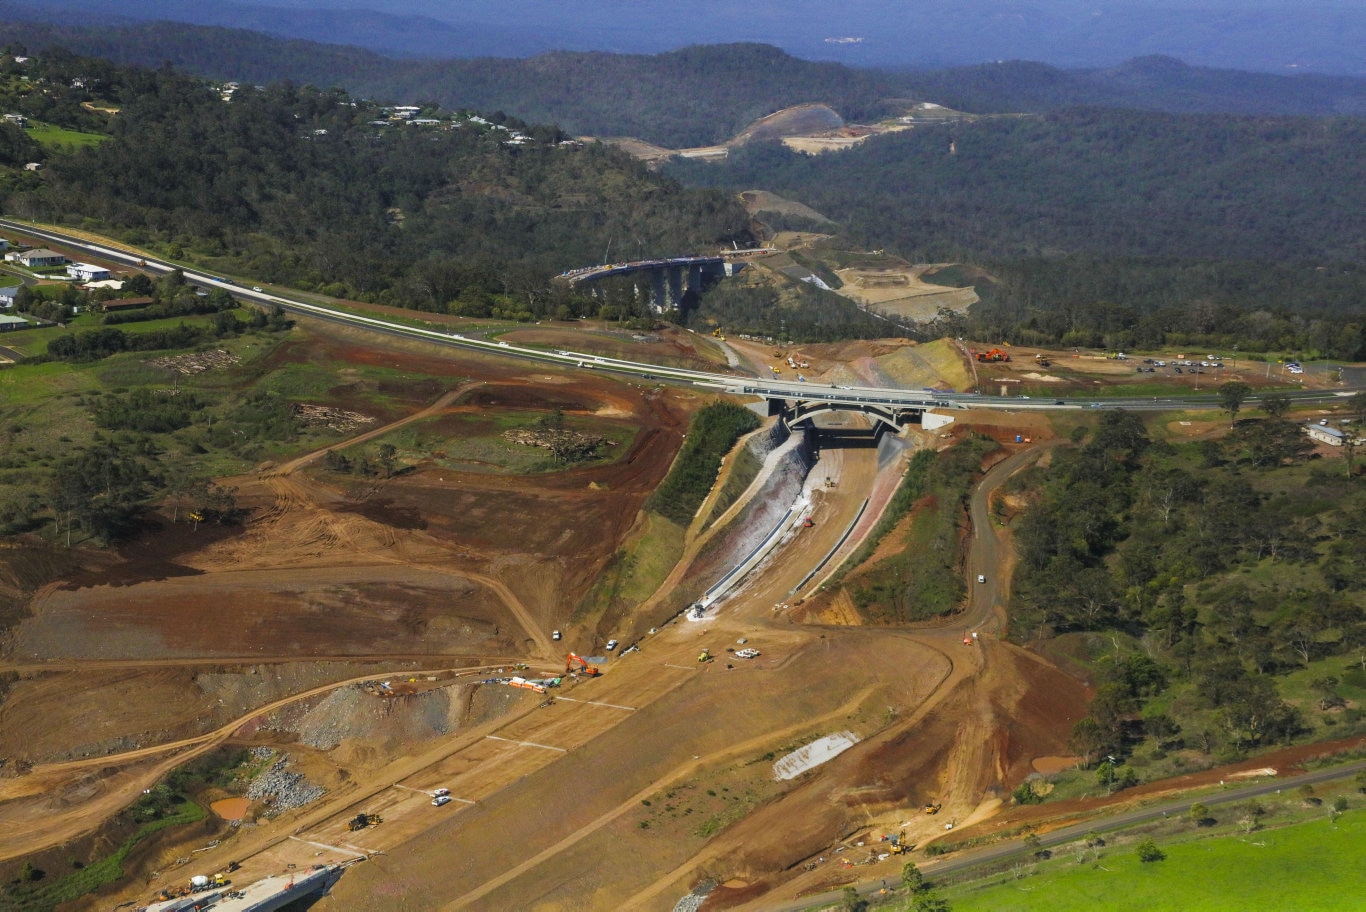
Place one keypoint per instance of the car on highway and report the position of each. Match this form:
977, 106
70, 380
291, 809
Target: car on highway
981, 577
611, 644
440, 800
256, 288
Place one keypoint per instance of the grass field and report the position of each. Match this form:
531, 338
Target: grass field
1314, 865
475, 443
50, 137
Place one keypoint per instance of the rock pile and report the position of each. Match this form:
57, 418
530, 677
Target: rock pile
282, 790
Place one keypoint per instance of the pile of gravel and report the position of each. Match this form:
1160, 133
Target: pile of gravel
694, 900
282, 790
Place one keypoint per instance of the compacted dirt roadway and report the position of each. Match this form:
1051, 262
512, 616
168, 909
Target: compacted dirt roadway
549, 793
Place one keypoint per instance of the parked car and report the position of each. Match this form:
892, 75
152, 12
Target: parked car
555, 635
441, 793
981, 577
440, 800
611, 644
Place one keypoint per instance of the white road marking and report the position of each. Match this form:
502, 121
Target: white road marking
598, 703
527, 743
344, 850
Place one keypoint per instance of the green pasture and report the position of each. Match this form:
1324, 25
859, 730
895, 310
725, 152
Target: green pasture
52, 137
1308, 866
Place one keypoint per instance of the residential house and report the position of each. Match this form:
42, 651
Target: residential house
86, 272
40, 256
1325, 434
7, 295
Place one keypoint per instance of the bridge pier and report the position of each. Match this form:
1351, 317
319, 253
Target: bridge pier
659, 292
675, 286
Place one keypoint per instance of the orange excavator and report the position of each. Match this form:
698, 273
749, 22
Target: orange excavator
994, 355
578, 664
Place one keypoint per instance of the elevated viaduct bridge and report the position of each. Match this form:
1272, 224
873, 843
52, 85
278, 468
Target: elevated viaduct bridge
666, 282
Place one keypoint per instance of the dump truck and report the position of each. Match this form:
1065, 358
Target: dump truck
361, 821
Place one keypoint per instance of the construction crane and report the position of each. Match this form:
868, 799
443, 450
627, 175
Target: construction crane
575, 664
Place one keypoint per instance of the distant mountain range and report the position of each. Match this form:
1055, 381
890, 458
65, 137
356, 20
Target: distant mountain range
698, 95
1322, 36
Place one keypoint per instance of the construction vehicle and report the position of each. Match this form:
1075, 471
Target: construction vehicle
575, 664
899, 844
706, 656
807, 523
994, 355
933, 808
361, 821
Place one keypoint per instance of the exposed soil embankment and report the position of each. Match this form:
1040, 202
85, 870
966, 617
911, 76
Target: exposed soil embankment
772, 493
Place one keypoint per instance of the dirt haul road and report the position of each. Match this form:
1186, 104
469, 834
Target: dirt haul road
562, 788
558, 786
87, 792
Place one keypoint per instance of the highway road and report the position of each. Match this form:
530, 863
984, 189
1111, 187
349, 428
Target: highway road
1001, 851
721, 382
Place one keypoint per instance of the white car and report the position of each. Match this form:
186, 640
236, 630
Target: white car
749, 653
555, 635
611, 644
441, 793
981, 577
440, 800
256, 288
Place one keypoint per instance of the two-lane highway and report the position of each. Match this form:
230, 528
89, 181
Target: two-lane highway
719, 381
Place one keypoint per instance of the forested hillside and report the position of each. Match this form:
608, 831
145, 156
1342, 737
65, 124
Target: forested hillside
1111, 227
314, 189
1226, 577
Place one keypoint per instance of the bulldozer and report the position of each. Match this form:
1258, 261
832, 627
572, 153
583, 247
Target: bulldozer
361, 821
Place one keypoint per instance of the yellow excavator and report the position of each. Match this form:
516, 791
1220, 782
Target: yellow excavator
706, 656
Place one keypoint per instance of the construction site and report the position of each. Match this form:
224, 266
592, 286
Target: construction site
411, 664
